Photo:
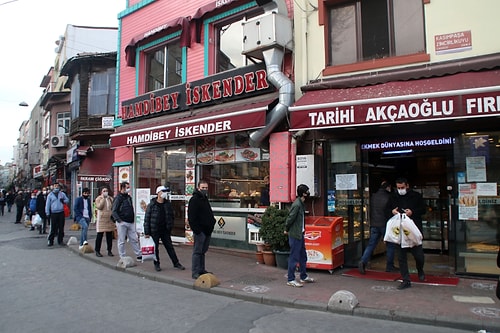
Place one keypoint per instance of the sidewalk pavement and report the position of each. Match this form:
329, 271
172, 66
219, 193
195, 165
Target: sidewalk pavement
471, 305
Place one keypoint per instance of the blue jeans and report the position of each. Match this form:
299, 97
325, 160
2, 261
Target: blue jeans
298, 255
376, 233
84, 223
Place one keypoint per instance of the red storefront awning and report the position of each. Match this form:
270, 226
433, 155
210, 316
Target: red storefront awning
228, 117
463, 95
178, 23
97, 166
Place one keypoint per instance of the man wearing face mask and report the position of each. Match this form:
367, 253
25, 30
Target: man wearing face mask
201, 221
83, 213
41, 199
124, 217
54, 209
158, 223
294, 228
380, 213
411, 203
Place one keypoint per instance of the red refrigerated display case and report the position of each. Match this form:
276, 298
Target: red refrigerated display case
324, 242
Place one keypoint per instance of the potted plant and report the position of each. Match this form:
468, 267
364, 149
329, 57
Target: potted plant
272, 232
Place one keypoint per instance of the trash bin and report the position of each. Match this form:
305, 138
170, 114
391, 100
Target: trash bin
324, 242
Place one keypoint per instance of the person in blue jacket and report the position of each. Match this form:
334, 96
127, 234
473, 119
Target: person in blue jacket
54, 209
83, 213
32, 208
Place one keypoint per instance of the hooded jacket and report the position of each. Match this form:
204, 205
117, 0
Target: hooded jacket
152, 219
200, 215
123, 210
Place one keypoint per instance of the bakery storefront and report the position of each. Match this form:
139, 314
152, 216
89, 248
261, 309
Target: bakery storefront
441, 133
200, 130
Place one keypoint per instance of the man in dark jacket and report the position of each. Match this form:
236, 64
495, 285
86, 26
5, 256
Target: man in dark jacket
123, 214
294, 228
83, 214
19, 201
201, 221
10, 200
380, 213
41, 199
411, 203
158, 223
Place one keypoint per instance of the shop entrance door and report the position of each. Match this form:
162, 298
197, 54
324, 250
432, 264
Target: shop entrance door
175, 178
428, 172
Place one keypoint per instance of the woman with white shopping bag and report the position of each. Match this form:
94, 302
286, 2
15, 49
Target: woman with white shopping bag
412, 205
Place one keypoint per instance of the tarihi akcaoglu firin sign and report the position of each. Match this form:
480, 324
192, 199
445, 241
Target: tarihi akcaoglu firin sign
231, 85
481, 102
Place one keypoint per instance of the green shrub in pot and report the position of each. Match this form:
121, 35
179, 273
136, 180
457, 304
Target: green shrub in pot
273, 227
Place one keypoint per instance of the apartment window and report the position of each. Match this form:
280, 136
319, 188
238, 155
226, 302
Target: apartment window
164, 66
365, 30
63, 122
102, 93
228, 36
75, 97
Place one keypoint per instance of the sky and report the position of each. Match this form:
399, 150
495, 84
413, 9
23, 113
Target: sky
28, 31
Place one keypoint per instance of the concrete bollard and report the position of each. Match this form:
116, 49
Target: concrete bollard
125, 262
206, 281
343, 300
72, 241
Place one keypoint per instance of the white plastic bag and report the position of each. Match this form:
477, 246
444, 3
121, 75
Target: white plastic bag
411, 235
401, 229
147, 248
392, 230
36, 220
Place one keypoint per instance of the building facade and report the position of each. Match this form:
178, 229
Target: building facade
200, 95
403, 89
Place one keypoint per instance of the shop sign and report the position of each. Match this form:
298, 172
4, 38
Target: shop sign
224, 87
400, 109
230, 227
38, 171
105, 179
453, 42
191, 129
407, 143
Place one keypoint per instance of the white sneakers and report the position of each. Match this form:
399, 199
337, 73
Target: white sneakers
301, 282
294, 283
307, 280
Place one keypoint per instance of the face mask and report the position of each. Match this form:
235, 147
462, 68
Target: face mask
128, 190
33, 197
105, 194
164, 195
402, 191
44, 192
56, 190
204, 192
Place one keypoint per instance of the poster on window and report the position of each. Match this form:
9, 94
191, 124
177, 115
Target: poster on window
476, 168
142, 199
467, 202
346, 181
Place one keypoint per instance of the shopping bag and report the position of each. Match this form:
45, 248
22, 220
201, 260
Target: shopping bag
36, 220
411, 235
147, 248
392, 230
27, 221
67, 211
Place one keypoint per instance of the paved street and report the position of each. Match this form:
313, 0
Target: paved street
57, 290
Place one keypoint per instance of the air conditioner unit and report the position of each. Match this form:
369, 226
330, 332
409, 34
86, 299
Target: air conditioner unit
58, 141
